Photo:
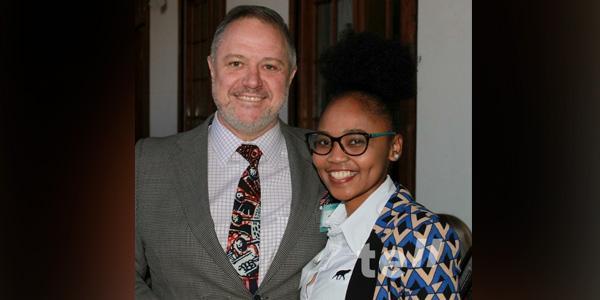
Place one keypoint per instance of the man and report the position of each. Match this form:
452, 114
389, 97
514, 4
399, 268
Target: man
229, 210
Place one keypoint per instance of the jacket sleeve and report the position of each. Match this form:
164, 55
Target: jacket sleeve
427, 262
142, 280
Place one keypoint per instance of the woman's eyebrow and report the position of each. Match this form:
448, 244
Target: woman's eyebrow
354, 130
345, 131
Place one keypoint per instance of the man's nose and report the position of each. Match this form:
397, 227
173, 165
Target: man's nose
252, 78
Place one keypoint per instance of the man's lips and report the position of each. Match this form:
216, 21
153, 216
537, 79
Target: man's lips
249, 97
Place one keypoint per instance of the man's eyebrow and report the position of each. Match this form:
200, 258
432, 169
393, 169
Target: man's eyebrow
263, 60
229, 56
273, 59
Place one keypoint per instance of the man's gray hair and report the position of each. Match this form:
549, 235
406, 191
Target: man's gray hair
262, 13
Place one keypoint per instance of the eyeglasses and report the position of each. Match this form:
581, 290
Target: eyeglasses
353, 143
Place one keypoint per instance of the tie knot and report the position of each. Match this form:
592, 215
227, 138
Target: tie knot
250, 152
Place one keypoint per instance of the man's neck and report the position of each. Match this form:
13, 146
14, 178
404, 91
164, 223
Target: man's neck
246, 137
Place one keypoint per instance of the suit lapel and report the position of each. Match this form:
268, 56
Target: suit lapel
191, 163
302, 207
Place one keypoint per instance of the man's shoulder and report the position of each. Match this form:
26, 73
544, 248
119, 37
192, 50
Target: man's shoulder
152, 143
295, 133
296, 143
161, 146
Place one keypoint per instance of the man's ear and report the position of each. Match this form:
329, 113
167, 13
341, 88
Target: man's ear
396, 148
209, 59
292, 73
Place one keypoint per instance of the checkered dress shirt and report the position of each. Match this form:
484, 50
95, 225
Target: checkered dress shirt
225, 166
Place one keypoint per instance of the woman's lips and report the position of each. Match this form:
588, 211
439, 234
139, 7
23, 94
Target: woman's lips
341, 176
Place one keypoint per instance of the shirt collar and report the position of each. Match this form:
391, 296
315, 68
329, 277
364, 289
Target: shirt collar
357, 228
225, 143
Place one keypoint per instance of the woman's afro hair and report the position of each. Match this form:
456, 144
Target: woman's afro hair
367, 63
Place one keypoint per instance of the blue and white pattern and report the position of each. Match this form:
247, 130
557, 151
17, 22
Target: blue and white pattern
420, 256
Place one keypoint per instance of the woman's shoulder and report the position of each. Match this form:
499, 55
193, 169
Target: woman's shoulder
408, 219
401, 206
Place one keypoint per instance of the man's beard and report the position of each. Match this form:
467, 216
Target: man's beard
249, 128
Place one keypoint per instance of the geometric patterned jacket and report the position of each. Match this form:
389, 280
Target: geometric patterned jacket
416, 255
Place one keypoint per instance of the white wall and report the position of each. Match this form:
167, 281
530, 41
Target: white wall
164, 61
444, 101
280, 6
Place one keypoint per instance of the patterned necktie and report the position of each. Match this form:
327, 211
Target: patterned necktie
243, 241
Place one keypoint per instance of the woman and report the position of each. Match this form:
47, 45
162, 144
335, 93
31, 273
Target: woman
382, 244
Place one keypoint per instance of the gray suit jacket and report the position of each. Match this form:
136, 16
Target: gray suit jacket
177, 253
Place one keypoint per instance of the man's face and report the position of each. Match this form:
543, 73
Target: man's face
251, 74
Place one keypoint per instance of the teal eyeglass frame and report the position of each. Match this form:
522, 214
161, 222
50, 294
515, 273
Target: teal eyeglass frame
338, 139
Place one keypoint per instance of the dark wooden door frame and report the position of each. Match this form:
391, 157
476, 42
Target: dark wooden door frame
142, 75
187, 107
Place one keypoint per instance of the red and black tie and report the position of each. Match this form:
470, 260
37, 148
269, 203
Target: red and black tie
243, 241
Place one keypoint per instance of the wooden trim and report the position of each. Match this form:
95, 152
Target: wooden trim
408, 37
306, 64
182, 30
408, 24
293, 20
333, 24
142, 75
358, 15
187, 106
220, 10
388, 19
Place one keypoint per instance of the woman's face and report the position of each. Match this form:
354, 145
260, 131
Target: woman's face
352, 179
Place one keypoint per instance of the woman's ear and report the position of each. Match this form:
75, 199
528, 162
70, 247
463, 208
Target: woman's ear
396, 148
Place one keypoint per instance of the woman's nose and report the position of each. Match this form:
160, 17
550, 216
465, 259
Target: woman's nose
337, 154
